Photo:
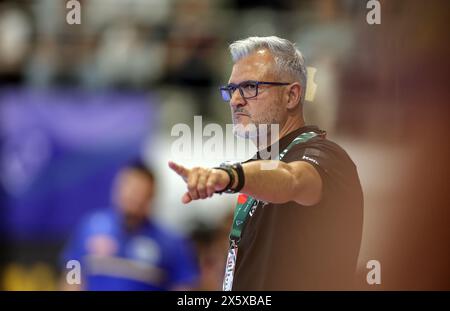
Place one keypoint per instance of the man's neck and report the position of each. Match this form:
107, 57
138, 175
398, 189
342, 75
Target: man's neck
290, 126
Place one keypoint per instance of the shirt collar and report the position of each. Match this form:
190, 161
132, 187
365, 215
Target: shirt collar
287, 139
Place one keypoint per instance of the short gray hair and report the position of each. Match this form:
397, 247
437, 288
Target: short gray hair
288, 58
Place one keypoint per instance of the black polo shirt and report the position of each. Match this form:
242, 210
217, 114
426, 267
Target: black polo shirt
293, 247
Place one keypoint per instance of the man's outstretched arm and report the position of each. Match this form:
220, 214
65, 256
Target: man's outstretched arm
296, 181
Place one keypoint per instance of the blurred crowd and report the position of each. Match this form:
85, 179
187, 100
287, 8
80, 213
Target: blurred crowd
177, 48
373, 84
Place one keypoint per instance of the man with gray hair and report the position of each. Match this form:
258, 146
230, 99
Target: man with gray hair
298, 225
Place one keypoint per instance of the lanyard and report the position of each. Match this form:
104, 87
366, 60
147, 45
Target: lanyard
245, 203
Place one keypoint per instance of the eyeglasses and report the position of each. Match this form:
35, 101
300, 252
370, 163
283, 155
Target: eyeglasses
247, 89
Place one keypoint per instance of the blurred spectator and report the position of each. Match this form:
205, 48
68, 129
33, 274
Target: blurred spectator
15, 34
212, 245
122, 248
329, 29
190, 54
125, 59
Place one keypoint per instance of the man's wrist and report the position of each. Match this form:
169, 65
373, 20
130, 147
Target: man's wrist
228, 170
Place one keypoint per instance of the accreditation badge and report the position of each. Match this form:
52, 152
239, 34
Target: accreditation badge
229, 268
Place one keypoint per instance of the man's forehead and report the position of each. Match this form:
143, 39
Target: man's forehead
252, 67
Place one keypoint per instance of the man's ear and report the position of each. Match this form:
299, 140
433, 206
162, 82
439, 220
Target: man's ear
294, 95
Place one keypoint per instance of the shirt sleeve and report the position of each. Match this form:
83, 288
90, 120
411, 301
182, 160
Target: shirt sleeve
333, 164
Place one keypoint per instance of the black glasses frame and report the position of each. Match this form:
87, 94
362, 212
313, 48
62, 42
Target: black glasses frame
228, 90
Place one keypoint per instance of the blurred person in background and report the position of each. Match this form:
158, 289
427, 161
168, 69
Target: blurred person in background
15, 44
123, 248
211, 244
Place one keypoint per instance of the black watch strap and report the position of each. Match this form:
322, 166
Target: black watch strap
229, 170
241, 177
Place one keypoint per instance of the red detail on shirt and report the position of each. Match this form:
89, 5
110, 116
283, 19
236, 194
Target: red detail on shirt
242, 198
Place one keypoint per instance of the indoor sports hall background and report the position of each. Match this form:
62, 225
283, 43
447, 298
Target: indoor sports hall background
79, 101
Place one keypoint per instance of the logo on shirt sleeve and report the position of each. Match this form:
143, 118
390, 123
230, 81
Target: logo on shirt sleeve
310, 160
310, 155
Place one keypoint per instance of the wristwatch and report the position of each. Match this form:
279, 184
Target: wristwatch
229, 168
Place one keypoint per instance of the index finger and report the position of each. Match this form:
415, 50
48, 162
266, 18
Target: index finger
179, 169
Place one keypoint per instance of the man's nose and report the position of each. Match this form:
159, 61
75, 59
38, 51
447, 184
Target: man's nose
237, 99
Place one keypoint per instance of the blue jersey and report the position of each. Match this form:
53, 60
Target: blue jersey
151, 258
